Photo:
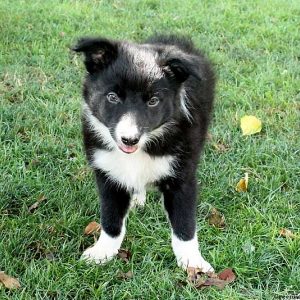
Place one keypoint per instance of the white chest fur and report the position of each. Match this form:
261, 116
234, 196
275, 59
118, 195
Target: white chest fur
133, 171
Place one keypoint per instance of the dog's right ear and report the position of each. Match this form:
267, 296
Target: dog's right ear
98, 52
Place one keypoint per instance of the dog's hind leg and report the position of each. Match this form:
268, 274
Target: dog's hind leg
114, 206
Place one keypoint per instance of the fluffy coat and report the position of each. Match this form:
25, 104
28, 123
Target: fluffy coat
145, 117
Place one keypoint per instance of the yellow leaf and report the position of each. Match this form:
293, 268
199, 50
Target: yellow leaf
250, 125
242, 185
9, 282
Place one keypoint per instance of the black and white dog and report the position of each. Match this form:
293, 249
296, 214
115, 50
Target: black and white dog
145, 116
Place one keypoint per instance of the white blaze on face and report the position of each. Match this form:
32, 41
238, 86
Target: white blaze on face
128, 129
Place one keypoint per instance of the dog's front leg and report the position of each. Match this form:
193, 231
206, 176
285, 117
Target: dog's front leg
180, 203
114, 205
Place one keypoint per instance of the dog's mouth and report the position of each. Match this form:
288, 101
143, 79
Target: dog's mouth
128, 149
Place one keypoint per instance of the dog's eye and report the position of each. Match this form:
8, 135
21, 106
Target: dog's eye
113, 98
153, 102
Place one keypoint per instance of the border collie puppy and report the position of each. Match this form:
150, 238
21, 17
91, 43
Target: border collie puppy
145, 115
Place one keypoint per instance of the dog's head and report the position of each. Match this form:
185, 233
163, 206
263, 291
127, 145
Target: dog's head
134, 90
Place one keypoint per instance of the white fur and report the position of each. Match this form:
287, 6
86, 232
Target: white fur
157, 134
185, 105
135, 170
145, 60
105, 248
138, 199
127, 127
188, 255
98, 128
103, 132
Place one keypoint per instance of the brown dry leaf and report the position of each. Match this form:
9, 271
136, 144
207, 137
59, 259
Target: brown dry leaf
35, 205
193, 273
227, 275
127, 275
242, 185
199, 283
250, 125
124, 254
216, 218
9, 282
92, 228
286, 233
202, 280
213, 282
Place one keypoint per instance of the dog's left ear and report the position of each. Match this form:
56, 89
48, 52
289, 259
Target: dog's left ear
98, 52
181, 68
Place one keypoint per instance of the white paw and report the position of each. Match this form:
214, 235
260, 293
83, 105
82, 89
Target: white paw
195, 261
98, 255
138, 199
188, 255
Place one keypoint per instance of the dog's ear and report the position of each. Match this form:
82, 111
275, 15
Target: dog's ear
98, 52
181, 68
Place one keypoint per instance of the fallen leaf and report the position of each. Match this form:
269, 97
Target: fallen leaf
127, 275
286, 233
92, 228
216, 218
9, 282
242, 185
193, 273
250, 125
227, 275
213, 282
35, 205
204, 280
124, 255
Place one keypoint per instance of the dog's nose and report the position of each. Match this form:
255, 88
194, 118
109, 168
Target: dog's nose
130, 141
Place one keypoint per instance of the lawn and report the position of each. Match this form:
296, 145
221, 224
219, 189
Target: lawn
254, 46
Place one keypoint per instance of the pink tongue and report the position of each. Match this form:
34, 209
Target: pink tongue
128, 149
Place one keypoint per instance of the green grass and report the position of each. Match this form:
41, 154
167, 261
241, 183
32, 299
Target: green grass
255, 48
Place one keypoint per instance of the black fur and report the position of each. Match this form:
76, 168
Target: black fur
111, 68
